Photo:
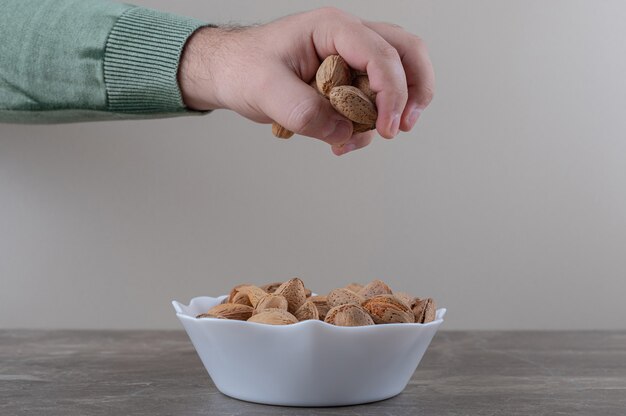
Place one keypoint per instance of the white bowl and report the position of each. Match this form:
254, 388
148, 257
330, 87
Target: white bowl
310, 363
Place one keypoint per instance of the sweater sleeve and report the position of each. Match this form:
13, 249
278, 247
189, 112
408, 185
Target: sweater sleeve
81, 60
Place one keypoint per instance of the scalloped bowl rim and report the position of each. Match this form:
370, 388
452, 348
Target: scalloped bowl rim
184, 312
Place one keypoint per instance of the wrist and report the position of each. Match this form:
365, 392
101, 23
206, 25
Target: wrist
198, 69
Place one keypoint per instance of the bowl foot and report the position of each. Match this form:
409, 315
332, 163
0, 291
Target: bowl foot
285, 402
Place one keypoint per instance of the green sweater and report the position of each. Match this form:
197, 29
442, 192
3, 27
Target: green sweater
80, 60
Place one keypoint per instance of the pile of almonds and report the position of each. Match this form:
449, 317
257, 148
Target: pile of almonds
284, 303
349, 93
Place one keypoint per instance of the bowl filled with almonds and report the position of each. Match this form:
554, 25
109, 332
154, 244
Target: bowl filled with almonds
281, 344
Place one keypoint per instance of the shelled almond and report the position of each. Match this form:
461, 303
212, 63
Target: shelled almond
289, 302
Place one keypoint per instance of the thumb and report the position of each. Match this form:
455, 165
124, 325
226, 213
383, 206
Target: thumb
300, 108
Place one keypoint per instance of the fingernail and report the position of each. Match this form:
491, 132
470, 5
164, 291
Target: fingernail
342, 131
415, 114
395, 124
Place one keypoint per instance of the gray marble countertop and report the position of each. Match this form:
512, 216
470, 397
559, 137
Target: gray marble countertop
463, 373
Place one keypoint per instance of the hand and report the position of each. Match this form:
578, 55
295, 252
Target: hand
262, 73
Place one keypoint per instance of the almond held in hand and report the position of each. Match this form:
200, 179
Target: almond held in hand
362, 82
354, 99
353, 104
281, 132
333, 72
362, 128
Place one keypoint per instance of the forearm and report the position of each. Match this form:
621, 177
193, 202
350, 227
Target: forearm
78, 60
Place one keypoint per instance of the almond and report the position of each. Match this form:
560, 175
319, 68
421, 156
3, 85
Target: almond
387, 309
362, 128
271, 287
348, 315
354, 287
321, 304
280, 131
333, 72
241, 298
342, 296
307, 311
234, 291
293, 290
249, 295
410, 300
357, 73
350, 102
254, 293
273, 317
281, 303
270, 301
228, 311
425, 311
362, 82
375, 287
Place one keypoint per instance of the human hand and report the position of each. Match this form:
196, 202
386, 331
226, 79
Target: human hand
263, 72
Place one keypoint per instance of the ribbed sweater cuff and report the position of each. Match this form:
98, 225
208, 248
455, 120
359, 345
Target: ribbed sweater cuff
141, 61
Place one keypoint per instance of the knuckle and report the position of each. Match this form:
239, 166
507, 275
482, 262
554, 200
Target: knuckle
388, 52
427, 95
401, 94
332, 12
398, 90
395, 26
388, 25
416, 42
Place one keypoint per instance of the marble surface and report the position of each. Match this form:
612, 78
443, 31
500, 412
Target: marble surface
463, 373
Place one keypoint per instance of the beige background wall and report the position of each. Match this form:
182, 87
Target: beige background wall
507, 203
